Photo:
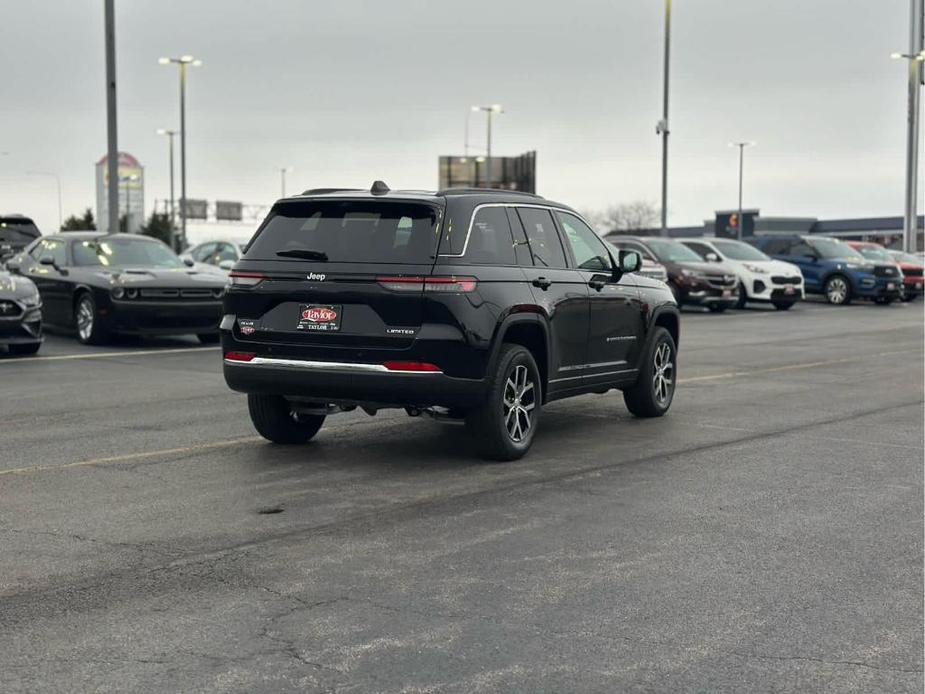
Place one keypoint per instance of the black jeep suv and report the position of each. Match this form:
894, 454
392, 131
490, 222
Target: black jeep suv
470, 305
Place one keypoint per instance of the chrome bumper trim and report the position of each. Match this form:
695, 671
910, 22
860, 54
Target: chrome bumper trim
269, 362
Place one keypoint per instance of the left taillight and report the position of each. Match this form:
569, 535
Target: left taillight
446, 284
239, 356
246, 279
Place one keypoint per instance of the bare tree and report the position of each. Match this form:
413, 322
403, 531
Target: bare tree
628, 216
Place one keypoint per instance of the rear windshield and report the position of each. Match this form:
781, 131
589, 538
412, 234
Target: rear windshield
18, 230
351, 231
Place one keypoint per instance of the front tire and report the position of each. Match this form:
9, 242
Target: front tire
275, 421
909, 297
504, 425
653, 392
89, 330
743, 296
838, 290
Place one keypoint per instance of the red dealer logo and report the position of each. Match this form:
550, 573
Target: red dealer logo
319, 315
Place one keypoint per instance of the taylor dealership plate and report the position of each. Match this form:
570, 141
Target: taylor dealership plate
319, 317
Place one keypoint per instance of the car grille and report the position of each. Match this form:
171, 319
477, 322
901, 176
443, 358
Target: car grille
721, 281
782, 279
176, 294
885, 271
9, 309
913, 274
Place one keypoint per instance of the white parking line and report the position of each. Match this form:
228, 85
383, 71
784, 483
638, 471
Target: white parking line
105, 355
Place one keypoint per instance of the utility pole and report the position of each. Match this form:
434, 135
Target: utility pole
741, 146
662, 127
916, 59
112, 154
489, 110
173, 217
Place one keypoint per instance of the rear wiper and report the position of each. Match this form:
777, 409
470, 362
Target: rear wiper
304, 253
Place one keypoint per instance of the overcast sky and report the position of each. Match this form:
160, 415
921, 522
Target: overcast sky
350, 91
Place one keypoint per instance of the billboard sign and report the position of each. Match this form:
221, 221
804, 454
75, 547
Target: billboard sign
195, 209
227, 211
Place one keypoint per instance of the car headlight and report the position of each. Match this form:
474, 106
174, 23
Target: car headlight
757, 269
117, 292
692, 273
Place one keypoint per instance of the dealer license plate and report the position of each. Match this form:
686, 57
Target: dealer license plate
322, 318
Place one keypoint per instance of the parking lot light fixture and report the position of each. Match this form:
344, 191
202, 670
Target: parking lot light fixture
489, 111
173, 217
182, 62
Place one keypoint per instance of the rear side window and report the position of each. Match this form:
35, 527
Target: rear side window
776, 246
490, 241
544, 239
350, 231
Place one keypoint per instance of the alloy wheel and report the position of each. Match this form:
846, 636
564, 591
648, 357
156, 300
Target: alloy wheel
837, 290
663, 377
519, 401
85, 319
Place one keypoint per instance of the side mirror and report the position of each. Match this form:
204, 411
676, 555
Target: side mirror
47, 260
712, 257
226, 264
189, 262
629, 261
13, 266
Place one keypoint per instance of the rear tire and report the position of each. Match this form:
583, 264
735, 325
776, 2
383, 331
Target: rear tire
275, 421
87, 321
504, 425
208, 338
837, 290
653, 392
25, 349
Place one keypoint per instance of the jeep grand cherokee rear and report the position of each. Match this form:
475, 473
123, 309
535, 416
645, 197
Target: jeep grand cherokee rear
471, 305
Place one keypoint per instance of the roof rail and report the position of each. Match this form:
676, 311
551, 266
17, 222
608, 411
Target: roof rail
487, 191
324, 191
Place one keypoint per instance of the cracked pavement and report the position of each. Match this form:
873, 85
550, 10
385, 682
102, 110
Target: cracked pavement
766, 536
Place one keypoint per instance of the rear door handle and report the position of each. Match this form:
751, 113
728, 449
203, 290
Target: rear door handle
542, 283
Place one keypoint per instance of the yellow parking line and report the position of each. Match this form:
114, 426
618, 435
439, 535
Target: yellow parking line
105, 355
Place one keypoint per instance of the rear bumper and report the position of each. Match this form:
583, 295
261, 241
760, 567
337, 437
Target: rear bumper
351, 383
163, 317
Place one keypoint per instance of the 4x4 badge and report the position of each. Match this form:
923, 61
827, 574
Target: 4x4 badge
315, 276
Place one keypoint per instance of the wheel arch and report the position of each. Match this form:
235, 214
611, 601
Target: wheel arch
530, 331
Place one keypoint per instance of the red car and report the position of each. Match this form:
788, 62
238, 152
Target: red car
909, 265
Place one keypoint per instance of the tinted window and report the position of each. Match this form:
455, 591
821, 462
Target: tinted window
776, 246
125, 252
521, 245
490, 240
201, 253
587, 248
672, 251
631, 246
700, 249
52, 248
543, 237
357, 231
19, 230
800, 248
223, 251
833, 249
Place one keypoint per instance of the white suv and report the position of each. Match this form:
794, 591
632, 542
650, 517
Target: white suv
761, 278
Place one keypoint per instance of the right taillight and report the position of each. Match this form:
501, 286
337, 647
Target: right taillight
246, 279
445, 285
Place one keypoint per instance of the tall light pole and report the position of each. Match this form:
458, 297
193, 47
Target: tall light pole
741, 146
489, 111
173, 217
283, 170
181, 63
112, 140
661, 128
916, 59
58, 182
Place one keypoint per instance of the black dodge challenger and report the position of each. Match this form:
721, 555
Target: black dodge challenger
20, 314
100, 284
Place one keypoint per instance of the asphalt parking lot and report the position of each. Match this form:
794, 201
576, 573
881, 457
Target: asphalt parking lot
767, 535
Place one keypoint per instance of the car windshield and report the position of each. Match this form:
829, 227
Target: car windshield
125, 252
736, 250
831, 249
356, 231
902, 257
878, 254
18, 230
673, 251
